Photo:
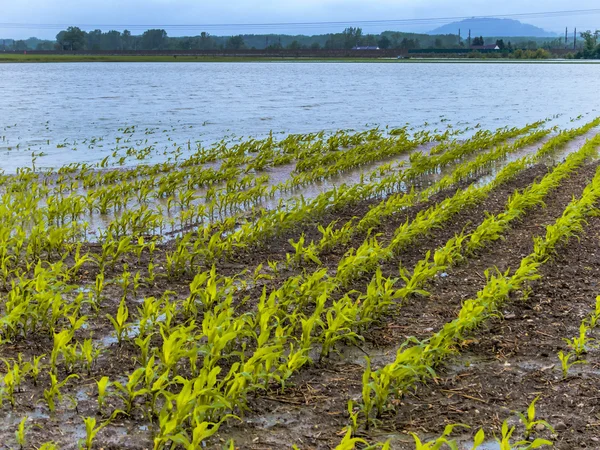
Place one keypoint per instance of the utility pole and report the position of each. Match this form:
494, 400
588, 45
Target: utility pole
566, 35
575, 39
469, 38
459, 36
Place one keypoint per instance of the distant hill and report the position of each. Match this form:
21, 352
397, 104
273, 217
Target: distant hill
493, 27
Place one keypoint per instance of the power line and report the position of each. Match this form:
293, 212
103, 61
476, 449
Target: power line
276, 25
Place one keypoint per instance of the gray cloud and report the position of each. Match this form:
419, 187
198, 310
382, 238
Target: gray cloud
136, 14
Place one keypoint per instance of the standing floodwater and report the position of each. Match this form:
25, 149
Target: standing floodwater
72, 112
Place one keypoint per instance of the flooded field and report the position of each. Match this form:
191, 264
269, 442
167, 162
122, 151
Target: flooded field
84, 112
334, 289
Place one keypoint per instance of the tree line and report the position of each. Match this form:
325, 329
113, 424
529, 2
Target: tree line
75, 39
591, 46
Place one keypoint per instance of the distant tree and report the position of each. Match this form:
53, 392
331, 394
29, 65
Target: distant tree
531, 45
154, 39
384, 42
294, 45
478, 41
112, 41
315, 46
369, 40
591, 49
45, 45
500, 43
71, 39
438, 43
206, 41
409, 44
94, 40
235, 43
20, 46
352, 37
126, 40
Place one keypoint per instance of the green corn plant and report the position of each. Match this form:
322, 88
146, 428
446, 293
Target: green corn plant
125, 281
505, 440
53, 393
129, 390
565, 363
595, 315
302, 253
119, 322
367, 388
338, 324
380, 295
36, 367
579, 344
20, 433
89, 353
144, 345
353, 417
529, 421
479, 439
12, 381
295, 360
439, 442
273, 265
61, 340
91, 430
349, 443
98, 289
70, 356
48, 446
156, 384
103, 384
151, 277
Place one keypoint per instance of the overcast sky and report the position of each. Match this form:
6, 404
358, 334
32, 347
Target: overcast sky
90, 14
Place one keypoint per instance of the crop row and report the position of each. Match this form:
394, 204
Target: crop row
415, 363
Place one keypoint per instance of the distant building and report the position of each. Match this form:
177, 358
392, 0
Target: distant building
368, 47
485, 47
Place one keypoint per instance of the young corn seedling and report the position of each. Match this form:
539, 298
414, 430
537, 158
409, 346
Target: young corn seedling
103, 384
20, 433
595, 315
348, 442
505, 440
36, 368
367, 387
529, 421
91, 430
61, 340
12, 381
338, 324
53, 393
144, 345
89, 353
565, 363
440, 442
579, 344
129, 389
353, 417
119, 322
48, 446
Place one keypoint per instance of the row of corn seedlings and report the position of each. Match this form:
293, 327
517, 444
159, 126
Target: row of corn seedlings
414, 363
